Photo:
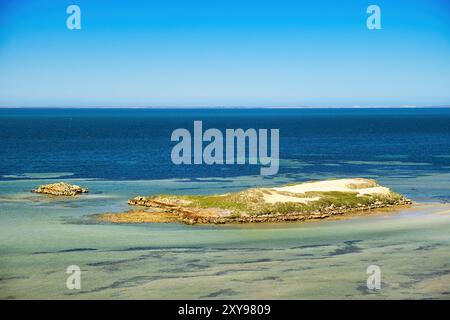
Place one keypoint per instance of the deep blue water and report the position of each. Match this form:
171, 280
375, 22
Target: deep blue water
133, 144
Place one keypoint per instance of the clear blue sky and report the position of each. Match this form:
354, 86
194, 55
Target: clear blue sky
224, 53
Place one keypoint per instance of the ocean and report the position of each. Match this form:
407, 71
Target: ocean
122, 153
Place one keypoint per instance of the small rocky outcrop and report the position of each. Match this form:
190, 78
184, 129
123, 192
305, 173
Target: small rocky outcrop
60, 189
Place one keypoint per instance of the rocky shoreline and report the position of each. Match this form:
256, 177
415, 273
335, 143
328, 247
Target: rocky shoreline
299, 202
202, 217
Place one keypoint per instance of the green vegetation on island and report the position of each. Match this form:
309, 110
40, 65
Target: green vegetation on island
293, 202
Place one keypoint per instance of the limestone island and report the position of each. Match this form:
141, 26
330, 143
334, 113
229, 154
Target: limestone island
60, 189
293, 202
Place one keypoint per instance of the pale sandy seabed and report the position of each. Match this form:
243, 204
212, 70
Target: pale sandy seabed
39, 238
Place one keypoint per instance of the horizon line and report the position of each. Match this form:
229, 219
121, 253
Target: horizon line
229, 107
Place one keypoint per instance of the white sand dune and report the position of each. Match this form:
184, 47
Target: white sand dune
293, 193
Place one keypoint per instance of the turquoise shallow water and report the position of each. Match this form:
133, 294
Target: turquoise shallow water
122, 153
39, 238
